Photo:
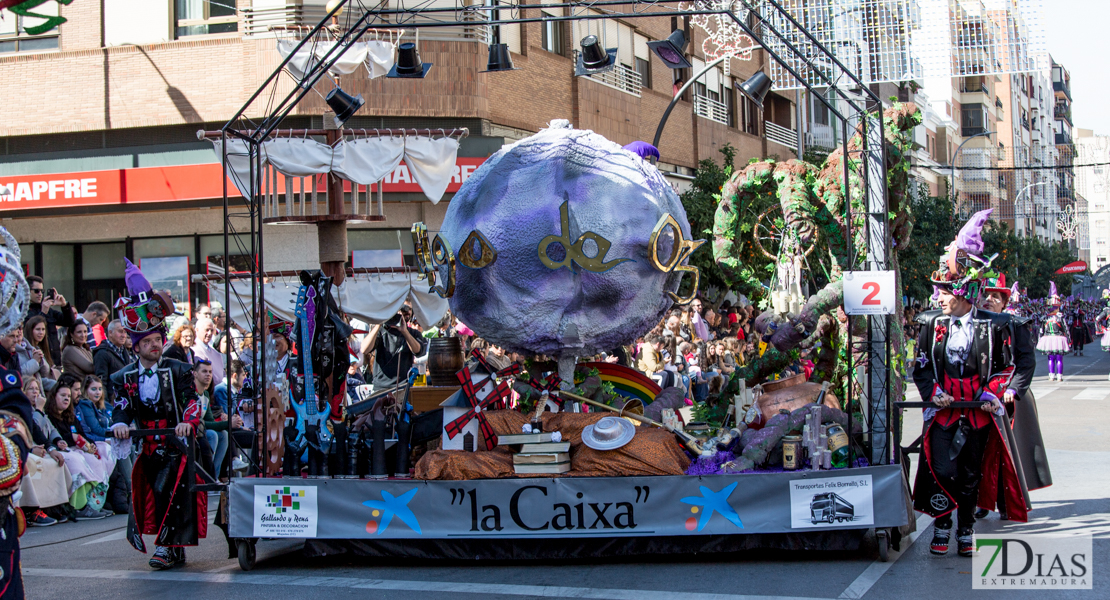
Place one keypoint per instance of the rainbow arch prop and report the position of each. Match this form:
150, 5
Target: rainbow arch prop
627, 382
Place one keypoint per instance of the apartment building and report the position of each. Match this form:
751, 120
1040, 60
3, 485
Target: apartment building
100, 160
1093, 184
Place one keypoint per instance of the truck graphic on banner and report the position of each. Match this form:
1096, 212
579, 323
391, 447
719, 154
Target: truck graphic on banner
830, 508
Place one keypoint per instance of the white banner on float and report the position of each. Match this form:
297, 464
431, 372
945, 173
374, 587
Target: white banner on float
831, 502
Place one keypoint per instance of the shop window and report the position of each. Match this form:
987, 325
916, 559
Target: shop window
380, 247
19, 33
58, 268
102, 261
170, 273
170, 246
201, 17
27, 258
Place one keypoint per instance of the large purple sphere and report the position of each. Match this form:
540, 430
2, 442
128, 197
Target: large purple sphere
515, 201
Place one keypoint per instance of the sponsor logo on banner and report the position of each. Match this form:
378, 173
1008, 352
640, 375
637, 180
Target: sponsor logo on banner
1032, 562
285, 511
831, 502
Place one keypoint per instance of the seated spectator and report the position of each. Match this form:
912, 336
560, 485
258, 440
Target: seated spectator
77, 358
181, 346
240, 398
46, 480
34, 336
89, 464
94, 416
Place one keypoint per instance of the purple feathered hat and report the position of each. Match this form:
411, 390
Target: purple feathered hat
962, 269
643, 149
143, 311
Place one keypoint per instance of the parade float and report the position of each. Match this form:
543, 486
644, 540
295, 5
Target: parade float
560, 247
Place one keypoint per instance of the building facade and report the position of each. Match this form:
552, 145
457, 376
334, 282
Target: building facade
101, 160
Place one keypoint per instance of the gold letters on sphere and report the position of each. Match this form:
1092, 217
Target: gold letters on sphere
466, 254
681, 251
431, 256
442, 256
574, 251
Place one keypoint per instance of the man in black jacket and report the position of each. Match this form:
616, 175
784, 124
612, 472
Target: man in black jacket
42, 303
112, 355
157, 393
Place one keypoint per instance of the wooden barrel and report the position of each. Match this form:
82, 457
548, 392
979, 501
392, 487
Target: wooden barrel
445, 358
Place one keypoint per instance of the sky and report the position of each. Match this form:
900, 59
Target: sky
1077, 37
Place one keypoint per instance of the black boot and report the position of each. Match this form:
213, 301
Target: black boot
982, 513
939, 545
965, 540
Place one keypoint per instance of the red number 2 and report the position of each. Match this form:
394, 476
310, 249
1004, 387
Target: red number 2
871, 300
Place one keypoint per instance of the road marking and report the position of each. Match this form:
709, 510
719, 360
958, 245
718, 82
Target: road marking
877, 569
111, 537
445, 587
1042, 392
1092, 393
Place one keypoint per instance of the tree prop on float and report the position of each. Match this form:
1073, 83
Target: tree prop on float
815, 209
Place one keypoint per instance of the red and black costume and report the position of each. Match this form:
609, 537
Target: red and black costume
161, 504
15, 442
959, 443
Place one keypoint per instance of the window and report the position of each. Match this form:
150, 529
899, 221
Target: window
551, 35
972, 119
821, 114
750, 114
19, 33
200, 17
643, 67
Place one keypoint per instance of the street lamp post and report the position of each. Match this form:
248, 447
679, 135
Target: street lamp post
955, 155
1018, 199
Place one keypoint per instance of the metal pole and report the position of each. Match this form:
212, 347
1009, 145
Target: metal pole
677, 96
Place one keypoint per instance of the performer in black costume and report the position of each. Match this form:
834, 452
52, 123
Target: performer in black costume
964, 356
16, 420
1029, 450
157, 393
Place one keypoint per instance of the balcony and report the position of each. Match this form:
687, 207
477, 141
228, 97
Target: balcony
1063, 139
781, 135
260, 21
711, 109
623, 78
1062, 113
1063, 87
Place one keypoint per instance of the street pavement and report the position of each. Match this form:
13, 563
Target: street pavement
91, 560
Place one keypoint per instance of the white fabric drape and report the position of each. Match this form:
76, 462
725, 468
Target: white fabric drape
368, 160
373, 299
298, 157
363, 161
379, 58
432, 163
310, 54
238, 162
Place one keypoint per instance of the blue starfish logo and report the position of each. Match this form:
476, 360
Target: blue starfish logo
390, 506
711, 502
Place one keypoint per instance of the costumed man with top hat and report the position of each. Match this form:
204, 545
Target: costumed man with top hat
1021, 407
157, 393
15, 421
964, 356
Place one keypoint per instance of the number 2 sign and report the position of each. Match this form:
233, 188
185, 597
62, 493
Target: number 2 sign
869, 292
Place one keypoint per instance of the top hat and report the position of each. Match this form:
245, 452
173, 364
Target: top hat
408, 63
594, 59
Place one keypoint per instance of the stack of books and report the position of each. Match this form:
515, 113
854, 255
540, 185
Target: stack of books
536, 453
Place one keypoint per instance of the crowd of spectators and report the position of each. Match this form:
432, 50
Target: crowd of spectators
66, 360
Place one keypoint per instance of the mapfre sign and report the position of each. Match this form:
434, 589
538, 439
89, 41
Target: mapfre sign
166, 184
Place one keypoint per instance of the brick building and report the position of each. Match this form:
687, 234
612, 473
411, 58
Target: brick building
99, 158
